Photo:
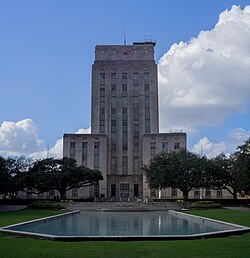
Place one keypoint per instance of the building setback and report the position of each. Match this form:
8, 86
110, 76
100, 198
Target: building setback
124, 122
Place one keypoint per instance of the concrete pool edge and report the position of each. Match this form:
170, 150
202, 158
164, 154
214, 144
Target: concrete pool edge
223, 233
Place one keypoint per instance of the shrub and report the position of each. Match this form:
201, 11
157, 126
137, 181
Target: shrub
45, 205
205, 205
179, 201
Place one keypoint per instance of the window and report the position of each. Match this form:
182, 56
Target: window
125, 135
196, 193
72, 150
124, 165
136, 144
113, 190
96, 155
113, 90
152, 193
136, 91
136, 190
113, 122
102, 116
75, 192
113, 165
102, 78
147, 126
124, 102
136, 111
124, 76
136, 102
102, 129
152, 149
96, 189
146, 78
102, 110
147, 113
135, 78
219, 193
176, 146
102, 122
29, 192
136, 165
147, 101
113, 102
102, 92
124, 90
102, 103
124, 146
84, 154
113, 78
113, 111
124, 187
207, 192
52, 193
146, 87
136, 134
173, 192
165, 147
124, 111
113, 146
124, 122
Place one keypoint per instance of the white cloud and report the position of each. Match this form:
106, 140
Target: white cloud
84, 131
57, 150
205, 80
20, 138
227, 146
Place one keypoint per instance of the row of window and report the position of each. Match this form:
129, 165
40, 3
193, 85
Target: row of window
124, 190
124, 78
85, 153
197, 193
165, 148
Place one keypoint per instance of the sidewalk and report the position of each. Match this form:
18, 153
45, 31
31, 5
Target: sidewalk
238, 208
12, 207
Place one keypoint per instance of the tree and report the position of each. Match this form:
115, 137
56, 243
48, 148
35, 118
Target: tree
242, 167
183, 170
231, 173
61, 175
220, 174
17, 168
4, 177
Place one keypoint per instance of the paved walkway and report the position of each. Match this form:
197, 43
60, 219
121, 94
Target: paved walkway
238, 208
12, 207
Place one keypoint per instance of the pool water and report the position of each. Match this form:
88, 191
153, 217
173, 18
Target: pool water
96, 223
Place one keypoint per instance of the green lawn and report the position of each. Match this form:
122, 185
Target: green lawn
219, 247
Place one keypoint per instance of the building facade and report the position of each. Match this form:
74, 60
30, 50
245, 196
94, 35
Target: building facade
124, 121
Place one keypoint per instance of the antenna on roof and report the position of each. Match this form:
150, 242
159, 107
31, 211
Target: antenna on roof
47, 151
124, 34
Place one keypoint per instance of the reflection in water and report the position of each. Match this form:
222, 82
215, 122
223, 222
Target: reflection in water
95, 223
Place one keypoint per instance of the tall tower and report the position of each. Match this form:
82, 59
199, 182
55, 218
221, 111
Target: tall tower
124, 107
124, 123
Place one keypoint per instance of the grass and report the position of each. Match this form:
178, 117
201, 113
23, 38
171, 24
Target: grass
220, 247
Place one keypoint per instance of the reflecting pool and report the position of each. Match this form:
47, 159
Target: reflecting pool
149, 223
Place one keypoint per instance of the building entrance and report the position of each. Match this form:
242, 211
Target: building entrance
124, 190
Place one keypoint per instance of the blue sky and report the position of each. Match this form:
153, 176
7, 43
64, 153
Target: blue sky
47, 49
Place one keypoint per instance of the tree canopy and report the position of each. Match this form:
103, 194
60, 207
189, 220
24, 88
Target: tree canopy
60, 174
40, 176
183, 170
